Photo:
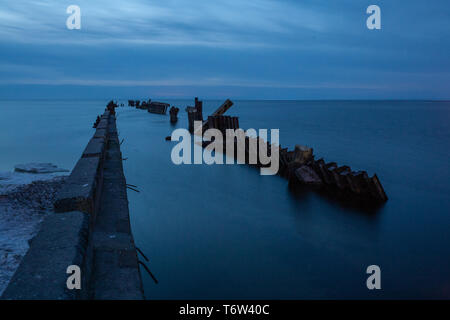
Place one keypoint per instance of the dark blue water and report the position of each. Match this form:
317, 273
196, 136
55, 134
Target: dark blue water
45, 131
225, 231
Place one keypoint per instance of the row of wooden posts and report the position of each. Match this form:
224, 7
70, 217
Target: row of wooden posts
194, 114
223, 122
150, 106
331, 176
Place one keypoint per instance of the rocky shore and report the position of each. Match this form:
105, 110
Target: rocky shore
22, 209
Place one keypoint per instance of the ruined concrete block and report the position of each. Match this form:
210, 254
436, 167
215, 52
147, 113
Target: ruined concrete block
339, 175
302, 154
376, 189
326, 170
360, 181
307, 176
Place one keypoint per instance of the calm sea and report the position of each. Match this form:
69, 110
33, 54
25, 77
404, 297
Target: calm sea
225, 231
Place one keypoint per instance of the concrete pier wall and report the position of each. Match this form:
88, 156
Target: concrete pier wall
80, 233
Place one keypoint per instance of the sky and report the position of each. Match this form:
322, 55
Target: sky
259, 49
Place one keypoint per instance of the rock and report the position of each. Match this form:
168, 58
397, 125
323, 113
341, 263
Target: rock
308, 176
38, 168
302, 154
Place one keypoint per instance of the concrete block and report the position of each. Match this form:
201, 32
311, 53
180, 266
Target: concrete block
78, 192
307, 176
128, 259
359, 182
103, 124
118, 276
61, 242
376, 189
94, 148
340, 178
100, 133
328, 171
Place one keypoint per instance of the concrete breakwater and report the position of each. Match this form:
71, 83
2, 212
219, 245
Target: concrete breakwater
89, 229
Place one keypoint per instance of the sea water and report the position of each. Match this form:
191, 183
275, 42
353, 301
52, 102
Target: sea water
226, 232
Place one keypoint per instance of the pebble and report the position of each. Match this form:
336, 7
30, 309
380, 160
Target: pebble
38, 195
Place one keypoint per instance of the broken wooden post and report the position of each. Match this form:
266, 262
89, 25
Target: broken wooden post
210, 122
229, 123
199, 108
191, 120
173, 114
235, 123
195, 114
220, 111
223, 108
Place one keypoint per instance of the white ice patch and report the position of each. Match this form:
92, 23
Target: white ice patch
17, 226
34, 167
26, 174
19, 221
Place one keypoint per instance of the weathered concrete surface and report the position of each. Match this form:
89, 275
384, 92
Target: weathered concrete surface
22, 211
116, 272
61, 242
91, 229
100, 133
78, 193
94, 148
103, 124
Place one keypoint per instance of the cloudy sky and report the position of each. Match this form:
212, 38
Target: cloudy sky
259, 49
